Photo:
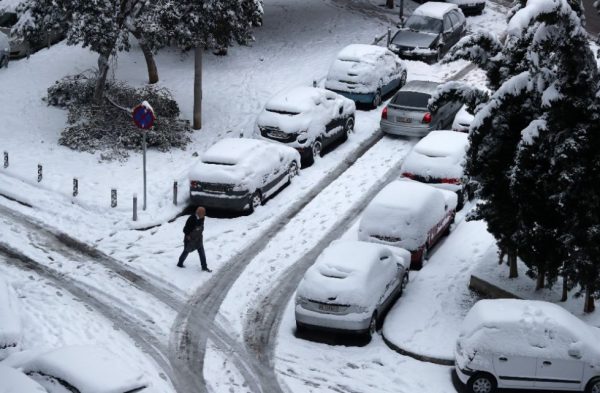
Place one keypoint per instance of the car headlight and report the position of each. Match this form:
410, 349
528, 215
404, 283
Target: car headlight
302, 137
394, 47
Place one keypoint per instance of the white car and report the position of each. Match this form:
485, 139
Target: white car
11, 329
366, 73
239, 174
438, 160
82, 369
524, 344
350, 287
410, 215
308, 119
14, 381
462, 120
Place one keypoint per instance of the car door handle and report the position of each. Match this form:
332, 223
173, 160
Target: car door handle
547, 363
503, 359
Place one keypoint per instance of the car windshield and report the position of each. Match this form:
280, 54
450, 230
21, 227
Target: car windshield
424, 23
411, 99
8, 19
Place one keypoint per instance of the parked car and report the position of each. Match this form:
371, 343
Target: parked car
430, 32
469, 7
366, 73
4, 50
410, 215
350, 287
11, 329
462, 120
438, 160
239, 174
308, 119
408, 114
82, 369
524, 344
14, 381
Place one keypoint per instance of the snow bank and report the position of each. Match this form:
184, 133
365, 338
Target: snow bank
403, 212
527, 328
439, 155
351, 272
14, 381
90, 369
10, 320
434, 10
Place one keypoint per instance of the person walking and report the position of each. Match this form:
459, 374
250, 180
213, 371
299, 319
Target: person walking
193, 231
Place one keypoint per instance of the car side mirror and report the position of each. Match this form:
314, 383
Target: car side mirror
574, 353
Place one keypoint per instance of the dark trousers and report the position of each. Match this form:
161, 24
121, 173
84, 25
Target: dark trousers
185, 253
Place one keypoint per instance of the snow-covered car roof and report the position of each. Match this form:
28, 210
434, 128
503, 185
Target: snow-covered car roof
14, 381
418, 86
233, 151
528, 328
362, 53
434, 9
352, 272
9, 5
10, 320
296, 100
439, 155
89, 369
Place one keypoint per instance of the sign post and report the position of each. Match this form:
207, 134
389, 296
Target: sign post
143, 117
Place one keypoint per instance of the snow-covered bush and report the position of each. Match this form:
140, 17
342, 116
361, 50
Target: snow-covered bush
109, 126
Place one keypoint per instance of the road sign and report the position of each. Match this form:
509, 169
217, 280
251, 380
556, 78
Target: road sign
143, 116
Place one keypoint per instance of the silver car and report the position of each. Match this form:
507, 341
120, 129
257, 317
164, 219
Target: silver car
350, 287
20, 47
408, 114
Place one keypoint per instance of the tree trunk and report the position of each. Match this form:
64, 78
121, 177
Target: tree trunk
589, 300
198, 88
389, 4
149, 56
501, 255
540, 283
512, 262
565, 290
101, 80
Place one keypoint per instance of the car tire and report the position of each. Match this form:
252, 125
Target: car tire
402, 80
372, 326
292, 171
593, 386
376, 99
255, 201
403, 284
348, 129
316, 150
482, 383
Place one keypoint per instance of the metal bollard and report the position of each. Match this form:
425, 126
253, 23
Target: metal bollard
134, 207
389, 37
75, 187
39, 173
175, 193
113, 197
5, 159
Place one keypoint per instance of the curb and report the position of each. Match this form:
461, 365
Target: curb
423, 358
489, 290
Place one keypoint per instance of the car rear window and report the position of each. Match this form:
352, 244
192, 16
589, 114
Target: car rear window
411, 99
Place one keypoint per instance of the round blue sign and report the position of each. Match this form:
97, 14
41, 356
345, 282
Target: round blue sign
143, 117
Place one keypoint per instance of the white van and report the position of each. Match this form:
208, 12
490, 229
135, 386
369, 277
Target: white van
524, 344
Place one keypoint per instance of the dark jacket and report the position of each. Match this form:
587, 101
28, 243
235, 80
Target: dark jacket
193, 230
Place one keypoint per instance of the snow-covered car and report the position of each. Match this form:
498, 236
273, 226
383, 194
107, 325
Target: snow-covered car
438, 160
410, 215
366, 73
239, 174
83, 369
308, 119
469, 7
14, 381
350, 287
462, 120
408, 114
10, 321
4, 50
526, 344
430, 32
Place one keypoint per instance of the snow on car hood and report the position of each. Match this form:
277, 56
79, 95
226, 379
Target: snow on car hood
90, 369
14, 381
349, 273
363, 76
10, 326
414, 39
441, 154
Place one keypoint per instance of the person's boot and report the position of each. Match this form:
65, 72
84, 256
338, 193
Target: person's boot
180, 265
205, 269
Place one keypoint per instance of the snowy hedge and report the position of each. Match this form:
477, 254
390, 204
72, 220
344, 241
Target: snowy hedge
109, 127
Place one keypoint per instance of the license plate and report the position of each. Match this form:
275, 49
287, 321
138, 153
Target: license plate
328, 307
404, 119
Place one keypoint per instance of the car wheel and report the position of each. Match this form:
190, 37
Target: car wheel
377, 99
402, 80
317, 147
255, 201
348, 129
372, 326
292, 171
403, 284
482, 383
593, 386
